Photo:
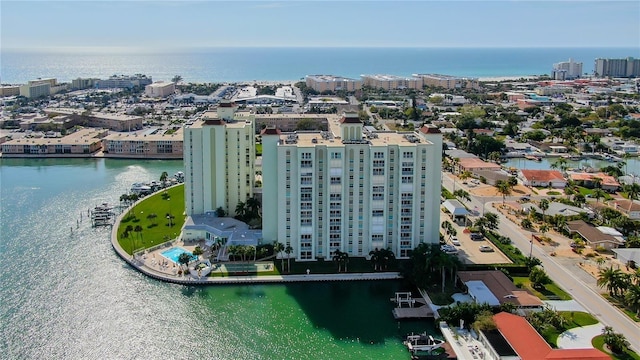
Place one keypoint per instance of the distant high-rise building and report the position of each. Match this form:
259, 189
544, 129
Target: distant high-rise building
123, 81
38, 88
566, 70
628, 67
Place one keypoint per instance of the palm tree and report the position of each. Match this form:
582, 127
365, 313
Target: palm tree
504, 188
632, 190
598, 193
241, 211
632, 298
164, 176
176, 79
609, 278
152, 218
184, 259
596, 182
544, 206
461, 194
253, 207
288, 250
344, 258
337, 254
375, 258
138, 229
278, 247
617, 342
544, 228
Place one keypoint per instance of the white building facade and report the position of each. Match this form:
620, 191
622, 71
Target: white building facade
160, 89
219, 157
336, 190
566, 70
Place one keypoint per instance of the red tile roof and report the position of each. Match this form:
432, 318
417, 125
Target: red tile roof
429, 130
606, 179
542, 175
270, 131
350, 119
529, 345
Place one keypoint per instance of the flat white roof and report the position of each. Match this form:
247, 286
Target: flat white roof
481, 293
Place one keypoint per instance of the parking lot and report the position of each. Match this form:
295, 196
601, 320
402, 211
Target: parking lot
469, 250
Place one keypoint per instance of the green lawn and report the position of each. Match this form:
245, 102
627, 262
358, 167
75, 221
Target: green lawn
598, 343
573, 319
154, 230
584, 191
620, 304
550, 291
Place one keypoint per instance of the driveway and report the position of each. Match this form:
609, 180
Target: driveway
580, 337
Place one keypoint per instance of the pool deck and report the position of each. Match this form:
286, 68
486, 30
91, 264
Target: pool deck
156, 266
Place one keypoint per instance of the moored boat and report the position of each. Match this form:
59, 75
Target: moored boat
422, 342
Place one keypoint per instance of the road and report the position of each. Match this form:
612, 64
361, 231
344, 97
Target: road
584, 293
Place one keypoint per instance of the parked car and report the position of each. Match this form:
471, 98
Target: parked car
476, 236
525, 198
455, 241
486, 248
449, 249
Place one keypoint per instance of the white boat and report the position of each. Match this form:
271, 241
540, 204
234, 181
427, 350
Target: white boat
140, 188
422, 342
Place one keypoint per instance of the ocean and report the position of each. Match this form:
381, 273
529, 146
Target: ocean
291, 64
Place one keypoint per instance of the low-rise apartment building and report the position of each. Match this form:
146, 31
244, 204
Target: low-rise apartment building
391, 82
82, 143
115, 122
160, 89
448, 81
154, 145
332, 83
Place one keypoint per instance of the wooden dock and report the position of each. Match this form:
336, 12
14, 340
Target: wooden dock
420, 312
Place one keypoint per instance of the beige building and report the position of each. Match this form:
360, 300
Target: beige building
115, 122
82, 143
392, 82
219, 160
161, 145
448, 81
160, 89
289, 122
9, 90
332, 83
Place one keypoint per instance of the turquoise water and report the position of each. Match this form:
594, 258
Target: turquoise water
85, 303
632, 164
250, 64
174, 253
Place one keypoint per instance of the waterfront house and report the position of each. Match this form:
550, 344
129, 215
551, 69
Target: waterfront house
608, 183
474, 164
627, 207
542, 178
494, 288
515, 338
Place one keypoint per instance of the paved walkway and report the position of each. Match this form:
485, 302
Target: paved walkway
580, 337
565, 305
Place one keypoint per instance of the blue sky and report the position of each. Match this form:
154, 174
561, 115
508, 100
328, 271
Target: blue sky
170, 24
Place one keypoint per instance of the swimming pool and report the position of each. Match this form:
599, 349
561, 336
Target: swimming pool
174, 253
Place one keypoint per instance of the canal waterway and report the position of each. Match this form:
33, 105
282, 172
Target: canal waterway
632, 166
66, 295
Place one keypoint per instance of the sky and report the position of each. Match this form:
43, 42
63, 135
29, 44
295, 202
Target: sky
164, 24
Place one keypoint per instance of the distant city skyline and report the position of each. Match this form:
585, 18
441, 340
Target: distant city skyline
166, 25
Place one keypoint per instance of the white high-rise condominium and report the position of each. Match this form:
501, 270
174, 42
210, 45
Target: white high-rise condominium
341, 190
566, 70
219, 157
